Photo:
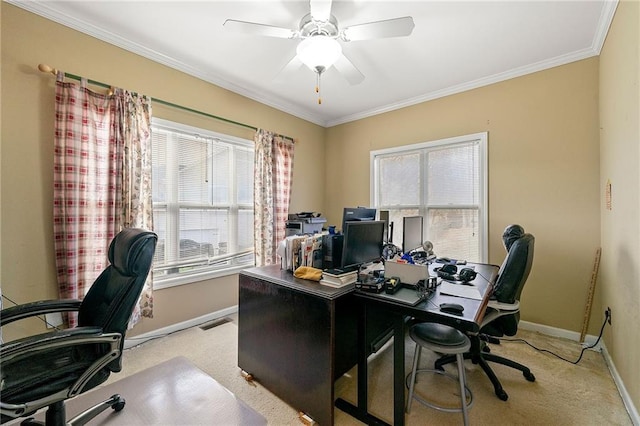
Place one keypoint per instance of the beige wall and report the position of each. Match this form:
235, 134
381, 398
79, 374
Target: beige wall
619, 159
27, 139
543, 173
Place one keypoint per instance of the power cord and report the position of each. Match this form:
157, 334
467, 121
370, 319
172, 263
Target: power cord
606, 314
37, 316
483, 277
604, 323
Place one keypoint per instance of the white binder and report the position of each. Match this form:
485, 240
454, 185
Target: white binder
408, 273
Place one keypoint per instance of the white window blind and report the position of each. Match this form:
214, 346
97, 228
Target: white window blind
443, 181
203, 203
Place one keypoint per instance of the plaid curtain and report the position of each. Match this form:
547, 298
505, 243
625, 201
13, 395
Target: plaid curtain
272, 182
89, 181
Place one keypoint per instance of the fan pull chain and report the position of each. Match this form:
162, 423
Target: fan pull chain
318, 74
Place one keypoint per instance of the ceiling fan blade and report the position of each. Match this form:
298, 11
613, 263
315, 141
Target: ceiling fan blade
258, 29
288, 70
348, 70
293, 65
397, 27
320, 10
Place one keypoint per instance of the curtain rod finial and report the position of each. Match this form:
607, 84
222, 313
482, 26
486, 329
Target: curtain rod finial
47, 68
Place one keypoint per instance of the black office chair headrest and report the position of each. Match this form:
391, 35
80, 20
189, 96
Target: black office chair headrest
511, 234
516, 266
129, 252
111, 299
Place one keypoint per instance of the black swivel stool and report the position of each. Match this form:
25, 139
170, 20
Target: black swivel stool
441, 339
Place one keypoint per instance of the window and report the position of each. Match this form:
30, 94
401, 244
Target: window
445, 182
202, 203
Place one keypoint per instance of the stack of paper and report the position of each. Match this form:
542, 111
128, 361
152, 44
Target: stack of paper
338, 279
302, 250
461, 290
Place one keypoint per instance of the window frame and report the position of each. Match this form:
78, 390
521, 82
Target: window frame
175, 206
424, 147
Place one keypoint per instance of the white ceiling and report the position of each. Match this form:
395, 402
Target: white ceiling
455, 46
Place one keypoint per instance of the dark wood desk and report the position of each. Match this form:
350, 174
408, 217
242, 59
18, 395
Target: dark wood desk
427, 310
296, 337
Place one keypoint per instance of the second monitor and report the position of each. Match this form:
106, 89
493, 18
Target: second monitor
411, 233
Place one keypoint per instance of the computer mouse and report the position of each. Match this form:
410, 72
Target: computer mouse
452, 308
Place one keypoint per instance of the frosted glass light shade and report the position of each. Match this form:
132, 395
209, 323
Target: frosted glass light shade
319, 52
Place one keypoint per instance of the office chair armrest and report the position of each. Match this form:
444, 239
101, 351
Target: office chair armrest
60, 346
26, 310
497, 309
508, 308
56, 340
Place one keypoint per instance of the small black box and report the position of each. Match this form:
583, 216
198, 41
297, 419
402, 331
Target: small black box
332, 251
392, 284
373, 286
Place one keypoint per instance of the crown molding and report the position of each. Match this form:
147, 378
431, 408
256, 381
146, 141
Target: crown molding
475, 84
606, 17
41, 8
604, 23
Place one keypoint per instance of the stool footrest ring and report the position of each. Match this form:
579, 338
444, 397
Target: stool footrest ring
469, 394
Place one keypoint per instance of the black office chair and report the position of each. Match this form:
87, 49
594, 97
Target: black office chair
47, 369
503, 310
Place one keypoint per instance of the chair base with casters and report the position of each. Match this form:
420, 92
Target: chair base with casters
443, 339
56, 413
479, 354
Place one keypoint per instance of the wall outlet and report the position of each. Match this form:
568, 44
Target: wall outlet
54, 319
608, 313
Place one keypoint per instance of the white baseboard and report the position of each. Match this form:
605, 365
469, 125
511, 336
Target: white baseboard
626, 398
589, 340
154, 334
601, 347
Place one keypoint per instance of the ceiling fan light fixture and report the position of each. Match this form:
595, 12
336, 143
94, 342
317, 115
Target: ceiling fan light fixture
319, 52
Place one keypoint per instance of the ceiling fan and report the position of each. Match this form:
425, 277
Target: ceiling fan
319, 32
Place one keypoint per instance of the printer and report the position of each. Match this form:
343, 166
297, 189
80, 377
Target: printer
304, 223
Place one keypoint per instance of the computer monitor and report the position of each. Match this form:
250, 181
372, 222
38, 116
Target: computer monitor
357, 214
363, 242
411, 233
384, 215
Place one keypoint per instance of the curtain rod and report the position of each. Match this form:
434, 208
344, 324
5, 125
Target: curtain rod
47, 69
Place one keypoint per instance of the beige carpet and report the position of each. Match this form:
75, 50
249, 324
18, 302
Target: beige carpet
563, 393
173, 392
